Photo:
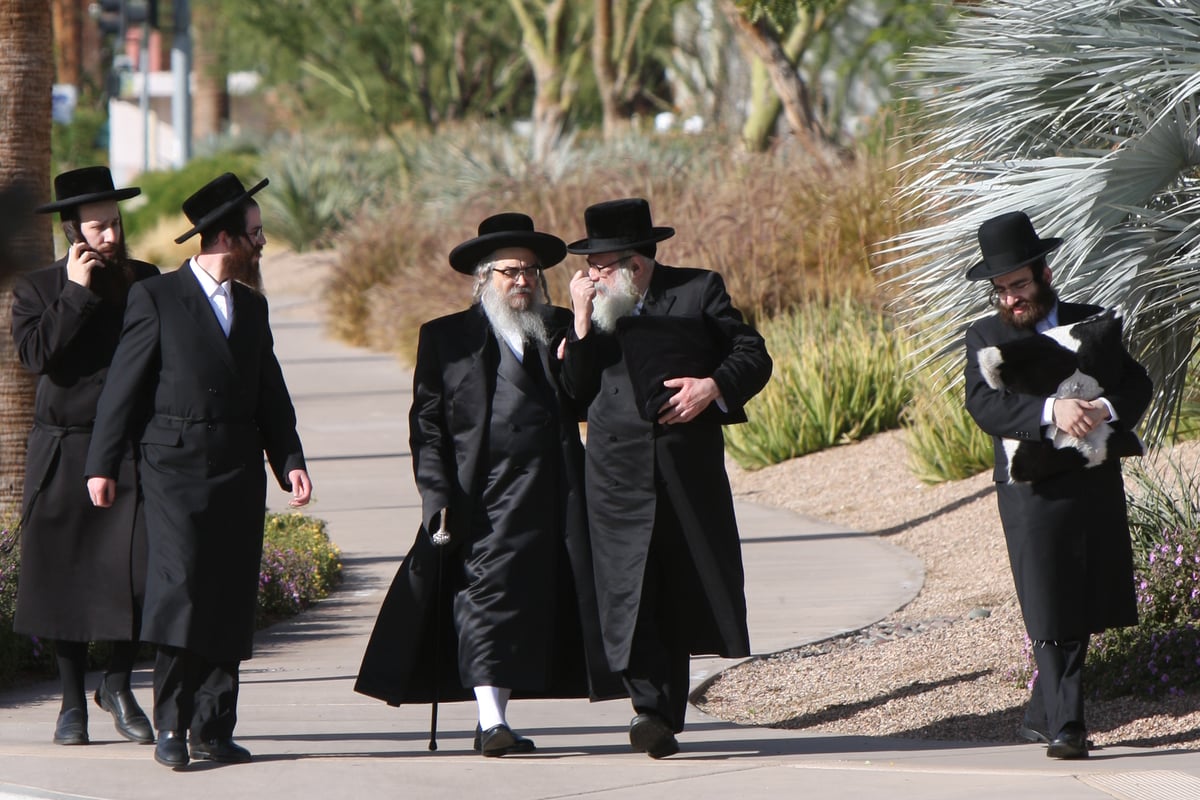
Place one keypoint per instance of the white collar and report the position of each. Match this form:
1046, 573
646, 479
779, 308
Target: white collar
208, 282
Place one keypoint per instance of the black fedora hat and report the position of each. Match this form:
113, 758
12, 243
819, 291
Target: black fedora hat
78, 187
1008, 242
618, 225
214, 200
507, 230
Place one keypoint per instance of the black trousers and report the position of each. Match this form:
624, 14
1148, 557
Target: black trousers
658, 674
1057, 697
194, 695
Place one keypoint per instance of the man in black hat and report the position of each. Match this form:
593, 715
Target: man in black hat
664, 539
83, 570
195, 378
1067, 534
498, 462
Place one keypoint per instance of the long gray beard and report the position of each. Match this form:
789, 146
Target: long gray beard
508, 322
609, 305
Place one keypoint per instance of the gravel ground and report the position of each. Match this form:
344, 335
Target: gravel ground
951, 664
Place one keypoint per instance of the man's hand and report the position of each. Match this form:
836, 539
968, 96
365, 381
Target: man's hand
81, 260
301, 488
689, 402
583, 292
1078, 418
102, 491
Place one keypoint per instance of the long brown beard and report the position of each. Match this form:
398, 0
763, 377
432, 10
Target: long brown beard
244, 267
1043, 300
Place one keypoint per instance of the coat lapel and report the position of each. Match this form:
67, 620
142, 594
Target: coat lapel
658, 300
191, 297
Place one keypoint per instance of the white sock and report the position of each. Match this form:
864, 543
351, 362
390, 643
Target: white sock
492, 702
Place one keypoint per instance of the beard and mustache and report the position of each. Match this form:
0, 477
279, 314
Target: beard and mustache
112, 281
1036, 308
244, 262
616, 301
514, 314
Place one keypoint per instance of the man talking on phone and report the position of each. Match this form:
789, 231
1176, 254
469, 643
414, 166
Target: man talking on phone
83, 569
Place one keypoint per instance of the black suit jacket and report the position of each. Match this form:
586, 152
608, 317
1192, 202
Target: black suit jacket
633, 464
214, 405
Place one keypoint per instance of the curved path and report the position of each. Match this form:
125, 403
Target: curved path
313, 737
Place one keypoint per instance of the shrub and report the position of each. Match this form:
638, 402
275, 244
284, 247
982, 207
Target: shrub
782, 228
1161, 655
299, 566
943, 441
837, 378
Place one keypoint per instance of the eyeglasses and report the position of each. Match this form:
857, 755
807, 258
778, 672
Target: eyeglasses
512, 273
1012, 289
607, 269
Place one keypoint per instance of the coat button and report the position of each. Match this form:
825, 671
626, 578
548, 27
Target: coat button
211, 427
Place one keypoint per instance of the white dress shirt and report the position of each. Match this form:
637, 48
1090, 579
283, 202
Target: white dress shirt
219, 296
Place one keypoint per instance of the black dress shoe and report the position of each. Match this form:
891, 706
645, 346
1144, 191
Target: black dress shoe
222, 751
1071, 742
1029, 733
651, 734
171, 750
499, 740
71, 727
127, 715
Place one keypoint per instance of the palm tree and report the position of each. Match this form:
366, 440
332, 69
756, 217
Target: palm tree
26, 77
1086, 115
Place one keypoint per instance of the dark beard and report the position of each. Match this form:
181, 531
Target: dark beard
1039, 307
112, 280
243, 267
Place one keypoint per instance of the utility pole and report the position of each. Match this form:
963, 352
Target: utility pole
181, 68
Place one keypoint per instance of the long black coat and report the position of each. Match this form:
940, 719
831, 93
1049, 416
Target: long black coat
1067, 535
414, 645
215, 405
83, 569
631, 463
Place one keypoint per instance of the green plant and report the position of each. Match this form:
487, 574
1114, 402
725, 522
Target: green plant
300, 565
837, 378
943, 442
163, 191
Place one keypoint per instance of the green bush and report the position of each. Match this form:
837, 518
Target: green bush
299, 566
163, 191
837, 378
943, 441
1161, 655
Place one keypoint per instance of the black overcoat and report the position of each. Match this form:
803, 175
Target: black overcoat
1067, 535
215, 405
83, 569
413, 646
632, 463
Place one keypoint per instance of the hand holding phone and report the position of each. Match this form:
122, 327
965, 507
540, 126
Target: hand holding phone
81, 260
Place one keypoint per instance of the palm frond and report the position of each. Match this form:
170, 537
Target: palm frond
1087, 117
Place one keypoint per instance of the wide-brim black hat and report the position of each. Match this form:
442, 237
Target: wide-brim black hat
507, 230
1008, 242
618, 225
214, 200
78, 187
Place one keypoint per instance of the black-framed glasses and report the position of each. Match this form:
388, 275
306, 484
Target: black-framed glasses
607, 269
512, 273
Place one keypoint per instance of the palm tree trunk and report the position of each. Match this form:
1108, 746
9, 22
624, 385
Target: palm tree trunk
26, 78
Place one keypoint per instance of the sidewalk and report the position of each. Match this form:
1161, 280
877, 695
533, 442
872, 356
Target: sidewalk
313, 737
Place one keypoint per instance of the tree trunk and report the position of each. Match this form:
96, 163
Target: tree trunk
67, 18
789, 86
26, 78
602, 66
210, 93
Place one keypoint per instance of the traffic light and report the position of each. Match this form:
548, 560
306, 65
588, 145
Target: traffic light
116, 16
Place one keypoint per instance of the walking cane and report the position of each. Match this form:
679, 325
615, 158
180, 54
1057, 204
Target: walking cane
440, 540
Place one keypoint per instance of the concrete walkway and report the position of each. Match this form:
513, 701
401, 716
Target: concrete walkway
313, 737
